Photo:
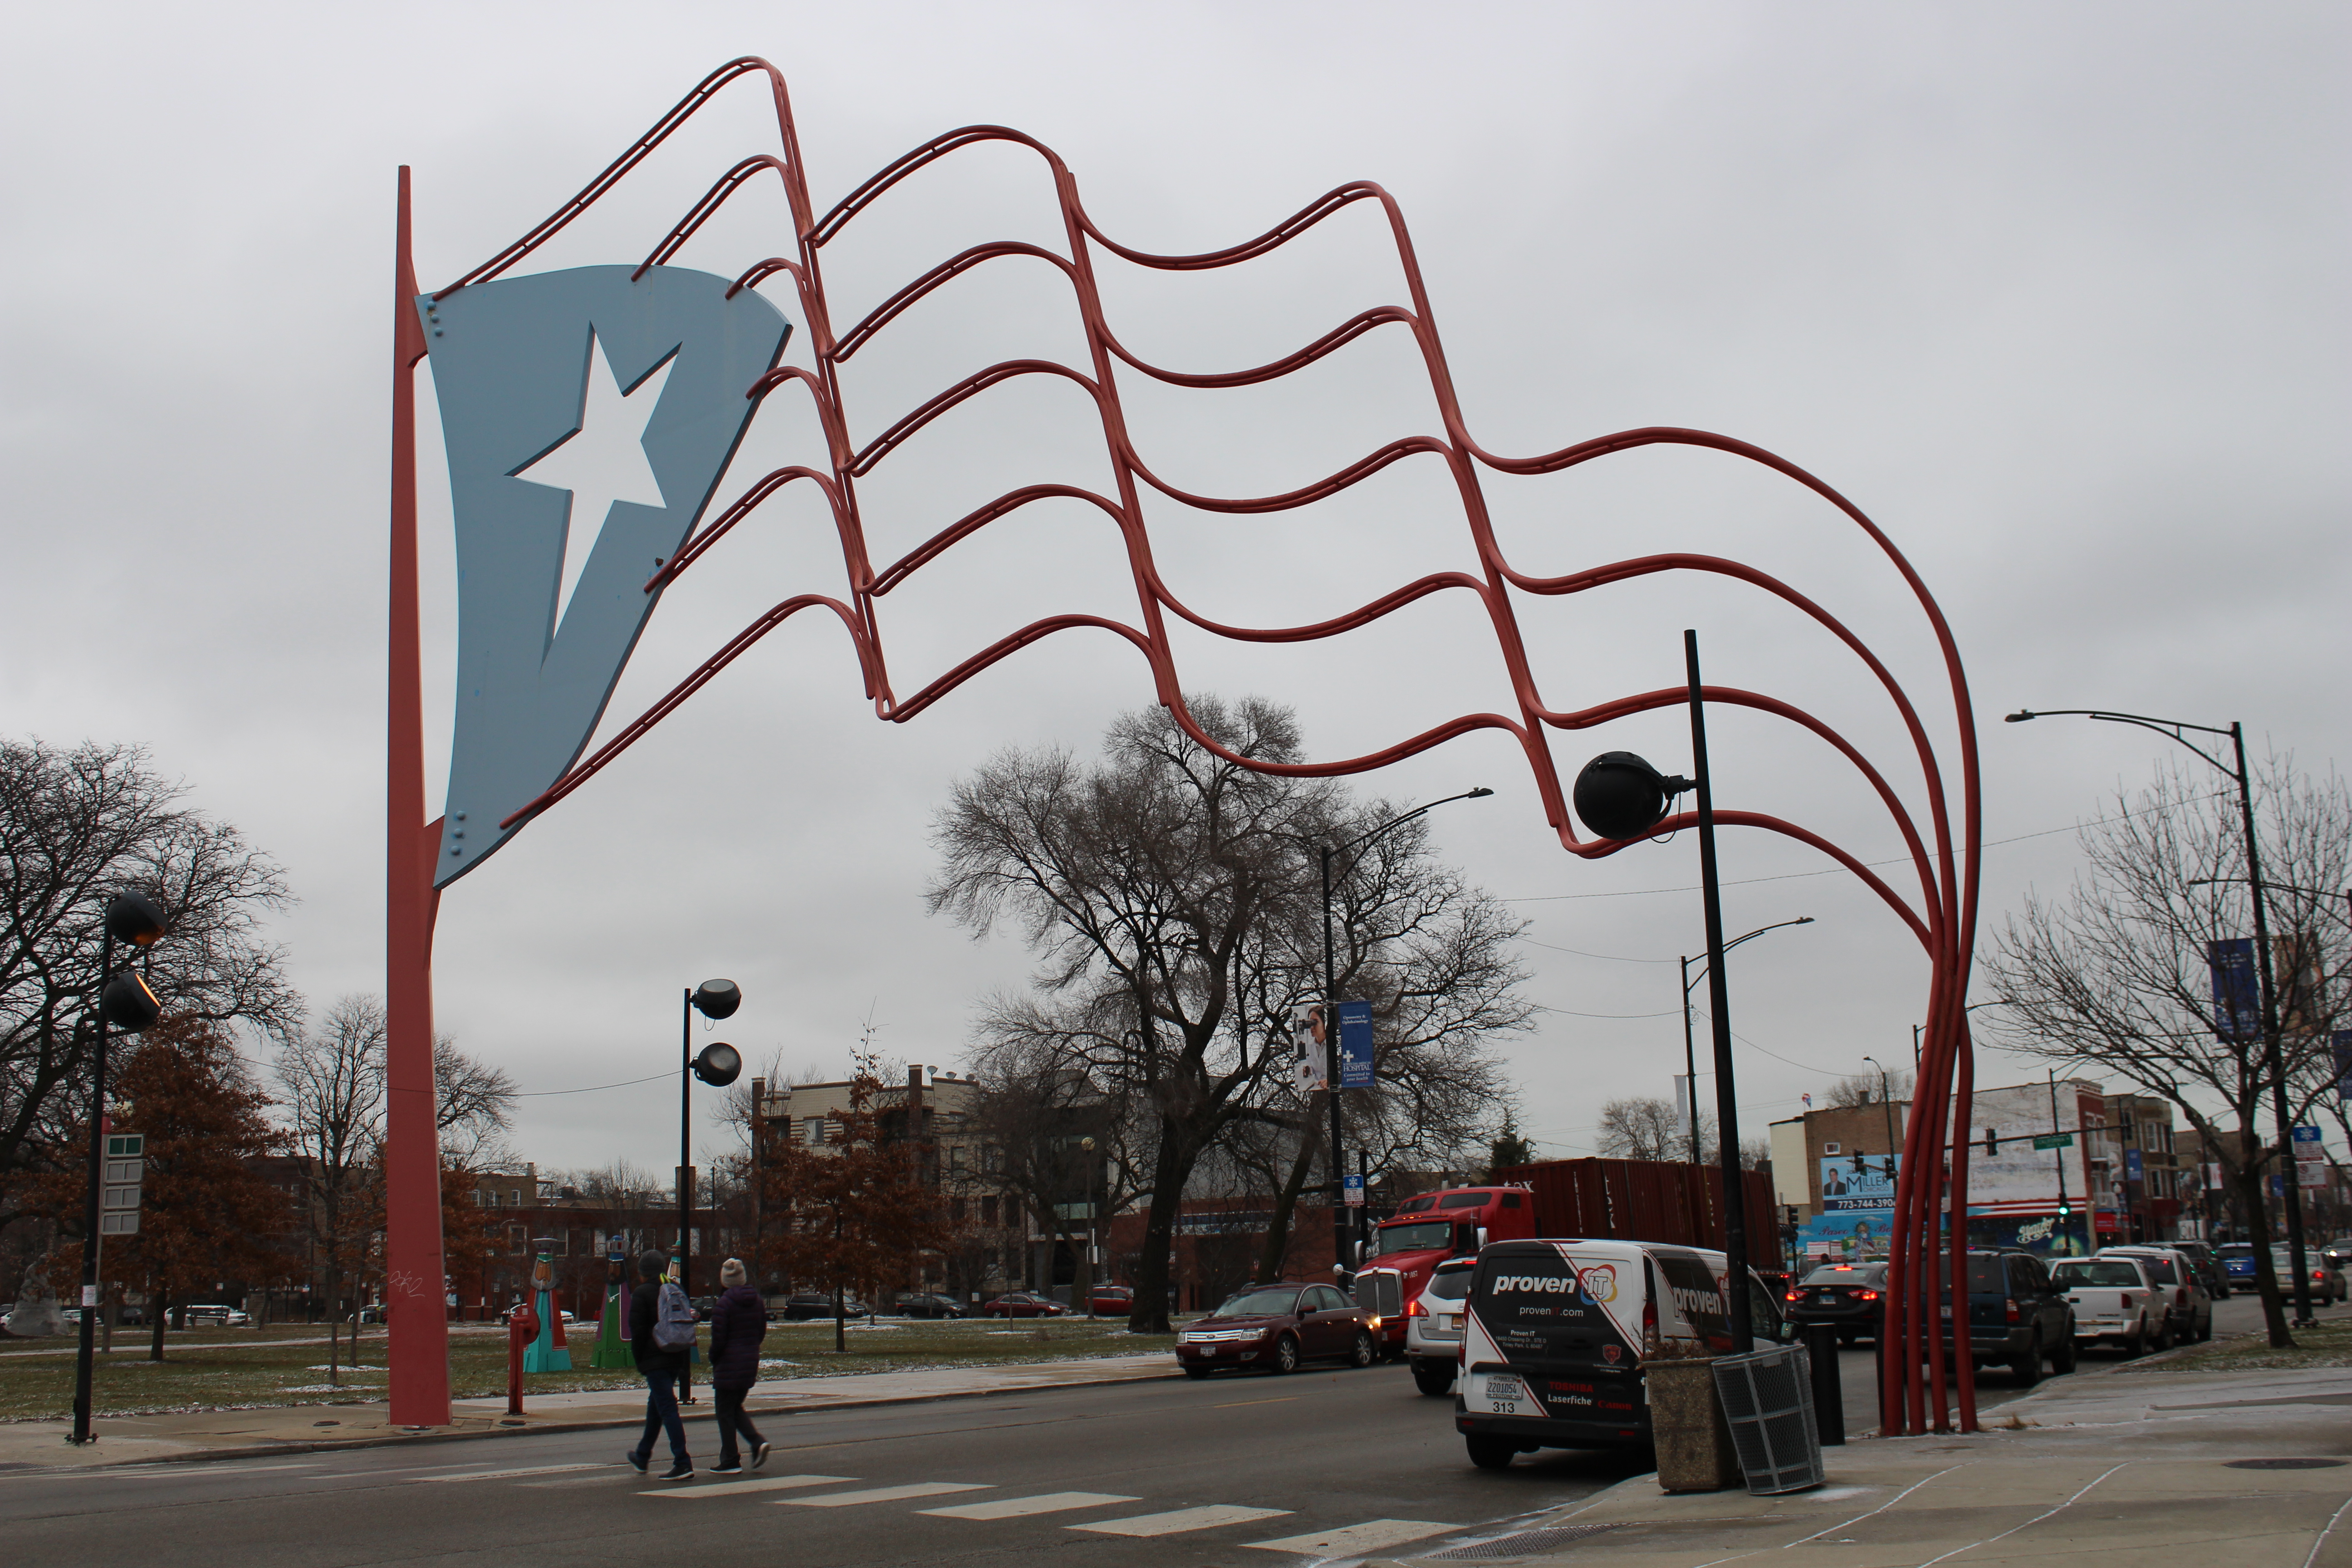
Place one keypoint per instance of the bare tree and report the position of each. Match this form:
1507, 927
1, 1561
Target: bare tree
333, 1082
74, 828
1867, 1089
473, 1109
2114, 975
1647, 1128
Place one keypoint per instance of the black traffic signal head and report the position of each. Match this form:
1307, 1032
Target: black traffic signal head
1621, 796
717, 998
1992, 1141
718, 1064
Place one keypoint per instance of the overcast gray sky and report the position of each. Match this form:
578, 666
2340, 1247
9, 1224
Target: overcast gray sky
2055, 294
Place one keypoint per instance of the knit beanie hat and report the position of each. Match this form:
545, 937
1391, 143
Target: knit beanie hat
731, 1271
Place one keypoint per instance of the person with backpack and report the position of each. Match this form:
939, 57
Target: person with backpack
661, 1333
739, 1321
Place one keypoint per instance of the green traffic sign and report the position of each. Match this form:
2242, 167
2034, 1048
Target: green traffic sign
2054, 1140
126, 1145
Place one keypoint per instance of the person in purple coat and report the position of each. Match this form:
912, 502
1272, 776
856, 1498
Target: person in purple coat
738, 1323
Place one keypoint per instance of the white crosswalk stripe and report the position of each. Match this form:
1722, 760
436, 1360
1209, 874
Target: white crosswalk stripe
1181, 1520
738, 1488
883, 1494
526, 1470
1023, 1507
1351, 1541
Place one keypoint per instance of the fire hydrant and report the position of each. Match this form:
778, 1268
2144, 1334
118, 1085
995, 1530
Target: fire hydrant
522, 1327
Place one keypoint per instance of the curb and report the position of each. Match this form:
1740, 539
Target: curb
333, 1445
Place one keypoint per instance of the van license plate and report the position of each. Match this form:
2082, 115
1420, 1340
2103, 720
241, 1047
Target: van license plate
1507, 1396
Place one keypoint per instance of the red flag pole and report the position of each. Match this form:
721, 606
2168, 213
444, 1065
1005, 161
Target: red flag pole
418, 1322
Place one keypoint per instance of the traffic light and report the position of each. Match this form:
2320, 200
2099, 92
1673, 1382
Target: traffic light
1860, 1168
2065, 1210
1992, 1141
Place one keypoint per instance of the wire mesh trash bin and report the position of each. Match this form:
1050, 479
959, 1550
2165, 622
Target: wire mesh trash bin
1767, 1400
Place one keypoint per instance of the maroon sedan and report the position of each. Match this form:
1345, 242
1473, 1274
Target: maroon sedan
1023, 1304
1275, 1327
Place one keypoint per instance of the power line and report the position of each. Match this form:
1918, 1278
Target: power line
543, 1093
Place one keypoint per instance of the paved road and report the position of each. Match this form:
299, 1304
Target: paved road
1256, 1470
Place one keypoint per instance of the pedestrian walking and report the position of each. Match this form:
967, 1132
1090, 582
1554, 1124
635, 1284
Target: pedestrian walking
738, 1323
661, 1344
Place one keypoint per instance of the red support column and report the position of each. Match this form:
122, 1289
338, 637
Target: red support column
419, 1326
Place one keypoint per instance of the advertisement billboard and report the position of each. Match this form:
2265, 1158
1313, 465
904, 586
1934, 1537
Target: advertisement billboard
1310, 1057
1844, 1189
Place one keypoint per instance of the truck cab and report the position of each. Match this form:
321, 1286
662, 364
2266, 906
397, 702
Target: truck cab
1424, 1232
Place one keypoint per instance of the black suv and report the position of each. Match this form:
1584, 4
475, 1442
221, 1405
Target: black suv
1852, 1296
929, 1304
2017, 1316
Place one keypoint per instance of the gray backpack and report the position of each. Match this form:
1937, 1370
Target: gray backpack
673, 1319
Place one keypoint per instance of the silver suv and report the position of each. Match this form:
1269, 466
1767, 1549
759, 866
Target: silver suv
1432, 1326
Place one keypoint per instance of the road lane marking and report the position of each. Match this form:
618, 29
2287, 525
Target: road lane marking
525, 1470
1355, 1540
1023, 1507
732, 1488
883, 1494
186, 1472
1181, 1520
1238, 1404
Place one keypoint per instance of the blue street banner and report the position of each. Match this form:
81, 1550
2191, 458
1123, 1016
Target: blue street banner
1354, 1045
2131, 1165
2343, 1042
2237, 993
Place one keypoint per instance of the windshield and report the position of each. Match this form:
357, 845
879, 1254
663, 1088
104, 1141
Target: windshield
1841, 1273
1429, 1236
2236, 1249
2074, 1274
1259, 1304
1450, 1287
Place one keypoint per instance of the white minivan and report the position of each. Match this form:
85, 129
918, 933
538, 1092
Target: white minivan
1554, 1334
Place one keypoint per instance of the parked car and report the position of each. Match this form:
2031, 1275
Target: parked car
2209, 1267
2237, 1260
1850, 1296
2187, 1302
212, 1315
2017, 1317
1023, 1304
1433, 1325
927, 1304
1110, 1301
2115, 1301
2326, 1279
808, 1304
2339, 1251
1274, 1328
702, 1308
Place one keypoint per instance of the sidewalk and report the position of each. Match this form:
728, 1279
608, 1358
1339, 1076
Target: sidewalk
222, 1434
2138, 1468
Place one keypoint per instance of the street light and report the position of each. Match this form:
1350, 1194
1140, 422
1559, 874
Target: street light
1086, 1273
125, 1002
1331, 1006
717, 1066
2273, 1061
1690, 1060
1885, 1098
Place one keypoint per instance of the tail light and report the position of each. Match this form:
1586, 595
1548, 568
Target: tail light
1794, 1296
1649, 1318
2015, 1316
1415, 1309
2126, 1300
1865, 1295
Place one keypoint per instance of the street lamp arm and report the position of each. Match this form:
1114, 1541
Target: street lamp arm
1735, 941
1478, 794
2169, 727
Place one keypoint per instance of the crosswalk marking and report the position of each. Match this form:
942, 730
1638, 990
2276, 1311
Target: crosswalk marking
737, 1489
1021, 1506
883, 1494
1353, 1540
1181, 1520
526, 1470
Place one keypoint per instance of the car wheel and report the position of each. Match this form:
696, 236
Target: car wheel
1491, 1453
2061, 1359
1363, 1354
2135, 1343
2027, 1367
2162, 1339
1285, 1355
2205, 1328
1433, 1377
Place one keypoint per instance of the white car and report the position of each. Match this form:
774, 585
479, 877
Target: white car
1432, 1326
2115, 1301
2176, 1275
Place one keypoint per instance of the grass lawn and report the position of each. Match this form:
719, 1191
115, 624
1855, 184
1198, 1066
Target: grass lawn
237, 1368
2330, 1344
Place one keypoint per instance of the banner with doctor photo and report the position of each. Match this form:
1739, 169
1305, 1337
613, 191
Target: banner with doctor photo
1872, 1187
1310, 1056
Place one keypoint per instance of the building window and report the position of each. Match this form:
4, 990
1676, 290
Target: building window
955, 1158
988, 1210
955, 1211
812, 1130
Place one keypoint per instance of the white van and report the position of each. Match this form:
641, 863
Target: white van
1555, 1332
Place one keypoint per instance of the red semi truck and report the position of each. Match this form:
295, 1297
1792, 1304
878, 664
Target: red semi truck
1656, 1200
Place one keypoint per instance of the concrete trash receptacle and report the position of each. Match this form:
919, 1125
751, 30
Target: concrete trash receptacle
1768, 1401
1687, 1427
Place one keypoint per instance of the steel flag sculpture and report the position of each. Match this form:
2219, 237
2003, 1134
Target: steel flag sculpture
512, 366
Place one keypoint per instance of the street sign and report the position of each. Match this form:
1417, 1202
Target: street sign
126, 1169
2054, 1140
126, 1145
2310, 1137
1351, 1190
1354, 1045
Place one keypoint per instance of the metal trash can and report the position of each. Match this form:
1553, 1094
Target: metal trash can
1768, 1399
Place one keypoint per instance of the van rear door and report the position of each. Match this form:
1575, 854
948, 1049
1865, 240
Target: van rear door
1546, 1337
